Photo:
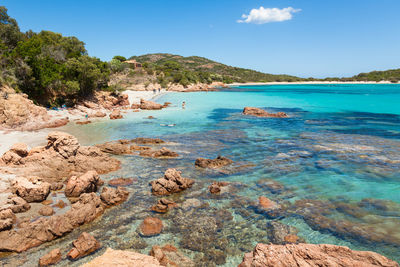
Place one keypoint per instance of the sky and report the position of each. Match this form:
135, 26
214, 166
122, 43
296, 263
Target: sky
306, 38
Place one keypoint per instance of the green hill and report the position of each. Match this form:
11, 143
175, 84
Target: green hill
387, 75
206, 69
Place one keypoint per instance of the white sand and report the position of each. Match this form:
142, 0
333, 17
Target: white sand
135, 96
311, 82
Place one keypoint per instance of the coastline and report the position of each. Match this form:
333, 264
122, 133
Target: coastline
311, 82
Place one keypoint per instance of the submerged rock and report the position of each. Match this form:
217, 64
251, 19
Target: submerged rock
163, 205
151, 226
279, 233
147, 141
172, 182
218, 162
83, 246
120, 182
258, 112
46, 211
86, 183
162, 153
51, 258
112, 196
123, 258
169, 255
32, 189
312, 255
215, 187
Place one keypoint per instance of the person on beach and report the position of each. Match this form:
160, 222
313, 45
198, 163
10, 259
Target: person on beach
154, 91
183, 104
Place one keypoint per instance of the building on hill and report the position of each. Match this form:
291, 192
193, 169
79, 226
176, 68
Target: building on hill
133, 64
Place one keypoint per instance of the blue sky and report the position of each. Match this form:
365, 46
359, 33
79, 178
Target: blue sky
322, 37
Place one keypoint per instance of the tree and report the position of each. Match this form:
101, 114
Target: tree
120, 58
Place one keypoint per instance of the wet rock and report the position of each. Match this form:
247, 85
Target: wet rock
163, 205
150, 118
149, 105
60, 204
123, 258
51, 258
83, 122
218, 162
46, 211
148, 141
120, 182
116, 114
112, 196
32, 189
7, 219
271, 185
114, 148
172, 182
162, 153
32, 234
262, 113
85, 183
83, 246
47, 202
18, 204
267, 204
169, 255
279, 233
215, 187
151, 226
312, 255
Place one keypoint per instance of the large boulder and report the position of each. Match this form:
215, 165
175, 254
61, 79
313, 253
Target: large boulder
172, 182
112, 196
65, 144
51, 258
313, 256
83, 246
149, 105
258, 112
151, 226
86, 183
32, 189
123, 258
218, 162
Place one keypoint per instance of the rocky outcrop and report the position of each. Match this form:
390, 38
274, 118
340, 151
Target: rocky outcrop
32, 189
86, 209
162, 153
147, 105
172, 182
169, 255
312, 255
61, 157
83, 246
258, 112
218, 162
163, 205
116, 114
16, 204
113, 196
150, 226
51, 258
86, 183
7, 219
215, 187
123, 258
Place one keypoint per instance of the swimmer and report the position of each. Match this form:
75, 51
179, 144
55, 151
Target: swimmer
183, 104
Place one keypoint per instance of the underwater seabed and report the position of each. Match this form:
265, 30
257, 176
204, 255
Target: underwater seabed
335, 174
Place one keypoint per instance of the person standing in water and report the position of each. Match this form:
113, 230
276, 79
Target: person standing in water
183, 104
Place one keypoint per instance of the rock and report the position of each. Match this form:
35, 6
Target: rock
46, 211
65, 144
123, 258
116, 114
163, 205
7, 219
148, 141
112, 196
120, 182
292, 239
190, 203
20, 149
114, 148
51, 258
83, 122
31, 190
60, 204
267, 204
56, 186
56, 123
262, 113
83, 184
279, 233
215, 187
151, 226
172, 182
149, 105
83, 246
169, 255
162, 153
312, 255
150, 118
271, 185
18, 204
97, 114
218, 162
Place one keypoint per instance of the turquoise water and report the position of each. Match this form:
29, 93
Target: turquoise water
333, 166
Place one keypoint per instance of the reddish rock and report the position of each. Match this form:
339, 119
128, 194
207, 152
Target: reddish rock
51, 258
7, 219
83, 246
47, 202
162, 153
57, 123
149, 105
83, 122
215, 187
32, 189
97, 114
116, 114
151, 226
148, 141
172, 182
18, 204
291, 239
115, 148
313, 256
138, 148
112, 196
56, 186
262, 113
169, 255
218, 162
60, 204
267, 204
150, 117
163, 205
46, 211
120, 182
85, 183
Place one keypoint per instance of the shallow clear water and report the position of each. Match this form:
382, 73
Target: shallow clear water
335, 164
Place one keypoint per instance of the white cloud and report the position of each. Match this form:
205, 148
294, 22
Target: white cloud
266, 15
